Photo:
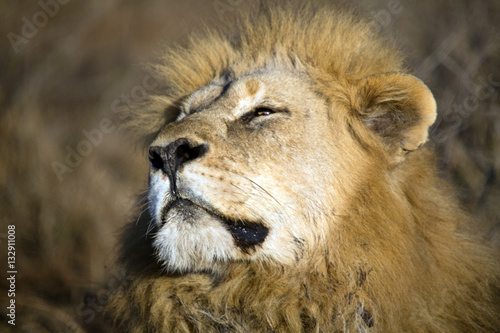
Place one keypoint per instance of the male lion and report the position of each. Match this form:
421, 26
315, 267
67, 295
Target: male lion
292, 192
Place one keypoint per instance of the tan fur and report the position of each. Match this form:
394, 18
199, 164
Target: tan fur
363, 236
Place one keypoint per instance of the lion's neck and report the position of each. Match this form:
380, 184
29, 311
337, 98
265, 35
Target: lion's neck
247, 297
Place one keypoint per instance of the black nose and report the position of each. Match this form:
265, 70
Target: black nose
169, 159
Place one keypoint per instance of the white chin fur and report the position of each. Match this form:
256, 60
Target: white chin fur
187, 246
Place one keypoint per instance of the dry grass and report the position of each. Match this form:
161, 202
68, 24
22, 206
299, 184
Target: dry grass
64, 81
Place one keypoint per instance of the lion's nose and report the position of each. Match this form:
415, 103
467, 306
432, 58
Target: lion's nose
169, 159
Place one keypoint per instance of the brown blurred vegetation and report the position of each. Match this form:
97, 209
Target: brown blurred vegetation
66, 77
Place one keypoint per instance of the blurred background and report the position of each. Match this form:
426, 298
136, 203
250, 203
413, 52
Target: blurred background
69, 180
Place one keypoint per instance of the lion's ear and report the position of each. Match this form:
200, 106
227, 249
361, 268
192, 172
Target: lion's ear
399, 108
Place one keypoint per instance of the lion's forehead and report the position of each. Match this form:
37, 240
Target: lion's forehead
276, 87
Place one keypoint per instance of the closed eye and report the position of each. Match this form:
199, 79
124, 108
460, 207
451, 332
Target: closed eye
258, 112
261, 112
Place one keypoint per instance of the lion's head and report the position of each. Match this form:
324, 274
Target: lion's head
290, 193
257, 165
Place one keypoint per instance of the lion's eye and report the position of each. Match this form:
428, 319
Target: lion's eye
260, 112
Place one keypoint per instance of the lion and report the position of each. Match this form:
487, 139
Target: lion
293, 191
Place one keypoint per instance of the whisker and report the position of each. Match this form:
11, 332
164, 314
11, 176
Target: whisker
140, 214
266, 192
239, 216
151, 227
144, 204
257, 188
239, 188
140, 201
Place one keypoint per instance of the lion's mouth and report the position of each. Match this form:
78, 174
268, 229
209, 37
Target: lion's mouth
246, 234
